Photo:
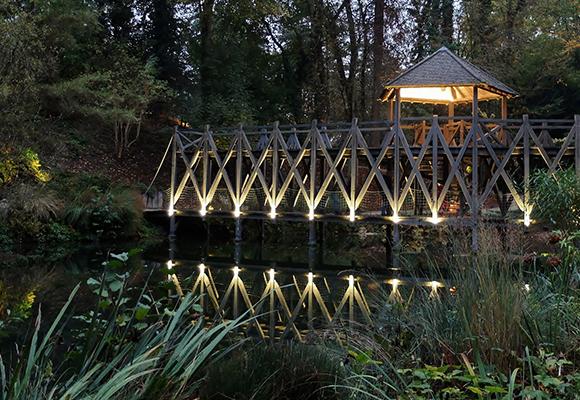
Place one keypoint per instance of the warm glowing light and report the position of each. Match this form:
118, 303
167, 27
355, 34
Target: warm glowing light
236, 271
434, 218
201, 268
527, 287
273, 212
434, 285
310, 277
203, 210
445, 94
351, 216
396, 218
237, 212
395, 282
171, 211
271, 273
527, 219
310, 214
170, 264
350, 281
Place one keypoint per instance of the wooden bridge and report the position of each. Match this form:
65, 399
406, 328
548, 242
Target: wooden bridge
416, 170
412, 171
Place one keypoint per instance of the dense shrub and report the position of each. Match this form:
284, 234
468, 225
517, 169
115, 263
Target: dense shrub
283, 371
27, 207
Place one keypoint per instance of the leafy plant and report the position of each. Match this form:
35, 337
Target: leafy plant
164, 360
556, 198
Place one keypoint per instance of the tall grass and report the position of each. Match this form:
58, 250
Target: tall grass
496, 316
163, 363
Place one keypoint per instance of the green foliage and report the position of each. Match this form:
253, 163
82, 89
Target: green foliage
556, 198
97, 208
23, 165
284, 371
119, 96
162, 361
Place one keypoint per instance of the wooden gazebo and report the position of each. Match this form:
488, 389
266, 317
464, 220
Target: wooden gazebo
444, 78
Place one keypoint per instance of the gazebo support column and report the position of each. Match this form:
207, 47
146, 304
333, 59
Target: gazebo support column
475, 172
504, 115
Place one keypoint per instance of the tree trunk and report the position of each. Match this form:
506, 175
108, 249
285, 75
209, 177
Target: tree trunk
206, 32
378, 55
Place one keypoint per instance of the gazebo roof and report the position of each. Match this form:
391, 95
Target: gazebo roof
444, 78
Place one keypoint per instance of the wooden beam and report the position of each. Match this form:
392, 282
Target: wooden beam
474, 171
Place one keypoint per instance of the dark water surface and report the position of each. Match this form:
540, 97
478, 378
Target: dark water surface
298, 287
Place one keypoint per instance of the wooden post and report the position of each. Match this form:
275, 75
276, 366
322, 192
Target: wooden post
353, 167
205, 169
172, 189
275, 167
391, 111
239, 159
313, 149
475, 172
504, 109
504, 115
434, 162
396, 152
451, 110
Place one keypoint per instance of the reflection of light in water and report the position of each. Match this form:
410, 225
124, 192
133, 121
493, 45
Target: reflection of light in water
271, 273
310, 277
201, 268
395, 295
350, 281
434, 286
236, 271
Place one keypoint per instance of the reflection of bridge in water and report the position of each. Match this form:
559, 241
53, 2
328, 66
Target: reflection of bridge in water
454, 170
291, 302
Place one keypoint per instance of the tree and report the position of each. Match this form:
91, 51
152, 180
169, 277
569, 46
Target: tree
118, 97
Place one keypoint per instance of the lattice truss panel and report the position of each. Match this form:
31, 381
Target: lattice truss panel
416, 170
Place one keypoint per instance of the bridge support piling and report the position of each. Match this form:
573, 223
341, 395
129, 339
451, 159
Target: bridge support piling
311, 234
396, 246
238, 231
172, 227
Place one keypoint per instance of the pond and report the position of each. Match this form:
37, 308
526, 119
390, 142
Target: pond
273, 275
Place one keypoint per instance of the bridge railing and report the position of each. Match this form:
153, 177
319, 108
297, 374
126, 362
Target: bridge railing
417, 170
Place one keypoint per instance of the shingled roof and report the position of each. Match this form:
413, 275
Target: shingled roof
443, 77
